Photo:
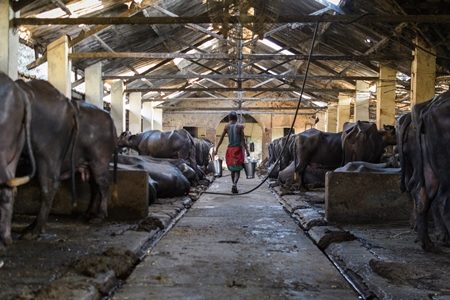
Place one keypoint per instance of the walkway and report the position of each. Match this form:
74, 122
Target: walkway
235, 247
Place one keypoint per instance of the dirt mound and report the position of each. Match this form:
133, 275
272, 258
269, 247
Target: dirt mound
112, 259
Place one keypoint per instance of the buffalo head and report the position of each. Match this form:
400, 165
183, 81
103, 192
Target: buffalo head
388, 135
123, 139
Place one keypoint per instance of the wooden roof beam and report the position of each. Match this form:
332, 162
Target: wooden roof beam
250, 90
443, 19
222, 56
245, 112
225, 99
314, 109
242, 76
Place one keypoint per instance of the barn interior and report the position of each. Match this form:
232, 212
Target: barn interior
189, 64
281, 65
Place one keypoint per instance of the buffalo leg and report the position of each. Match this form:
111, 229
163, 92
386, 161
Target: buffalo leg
6, 209
412, 212
423, 204
48, 190
98, 205
441, 215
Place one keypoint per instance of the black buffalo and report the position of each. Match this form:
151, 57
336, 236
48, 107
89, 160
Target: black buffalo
203, 152
362, 141
162, 144
15, 117
424, 156
284, 153
317, 149
67, 137
167, 177
359, 141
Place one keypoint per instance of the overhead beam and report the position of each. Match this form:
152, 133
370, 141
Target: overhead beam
242, 109
258, 89
208, 55
245, 112
222, 99
205, 20
242, 76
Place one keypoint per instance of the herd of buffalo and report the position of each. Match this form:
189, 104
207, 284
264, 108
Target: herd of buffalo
52, 138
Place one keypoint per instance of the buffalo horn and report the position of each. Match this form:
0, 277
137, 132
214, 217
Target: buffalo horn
18, 181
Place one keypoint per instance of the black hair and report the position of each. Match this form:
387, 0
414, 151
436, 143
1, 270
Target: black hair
233, 116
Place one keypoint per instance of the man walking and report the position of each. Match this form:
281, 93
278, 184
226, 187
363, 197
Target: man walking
234, 156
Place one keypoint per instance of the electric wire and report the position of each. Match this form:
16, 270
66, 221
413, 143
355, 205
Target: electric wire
292, 125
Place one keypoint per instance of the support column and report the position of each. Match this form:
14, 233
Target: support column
322, 124
118, 106
9, 48
94, 84
157, 117
59, 66
147, 116
331, 118
134, 117
210, 134
386, 97
266, 138
343, 111
362, 101
423, 73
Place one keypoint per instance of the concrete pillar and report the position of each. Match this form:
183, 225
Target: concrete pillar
266, 138
94, 84
331, 118
147, 116
59, 66
134, 116
10, 41
118, 106
386, 97
157, 117
210, 134
362, 101
322, 124
343, 111
423, 73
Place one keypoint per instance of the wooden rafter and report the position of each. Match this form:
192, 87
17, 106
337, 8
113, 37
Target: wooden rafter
258, 89
443, 19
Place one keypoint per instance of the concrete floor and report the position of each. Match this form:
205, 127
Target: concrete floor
235, 247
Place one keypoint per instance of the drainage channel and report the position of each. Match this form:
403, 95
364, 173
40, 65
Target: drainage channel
352, 278
145, 249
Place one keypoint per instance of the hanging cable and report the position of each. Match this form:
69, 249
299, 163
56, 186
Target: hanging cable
293, 121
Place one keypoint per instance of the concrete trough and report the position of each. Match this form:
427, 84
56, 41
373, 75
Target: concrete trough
132, 203
364, 198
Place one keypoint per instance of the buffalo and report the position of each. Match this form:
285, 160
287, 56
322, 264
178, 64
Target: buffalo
15, 119
284, 154
162, 144
203, 152
327, 151
67, 137
364, 142
167, 177
423, 147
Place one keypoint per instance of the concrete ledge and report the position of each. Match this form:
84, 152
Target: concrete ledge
132, 203
325, 235
309, 218
364, 197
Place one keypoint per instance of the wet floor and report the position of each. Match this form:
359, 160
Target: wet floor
235, 247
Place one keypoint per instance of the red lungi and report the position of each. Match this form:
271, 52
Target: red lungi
234, 157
